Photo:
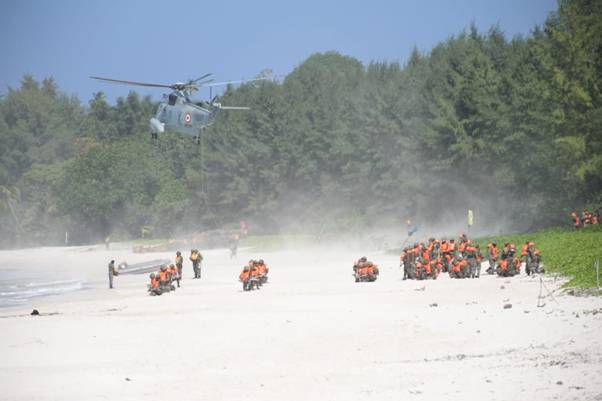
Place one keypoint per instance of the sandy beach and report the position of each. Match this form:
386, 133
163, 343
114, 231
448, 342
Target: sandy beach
311, 333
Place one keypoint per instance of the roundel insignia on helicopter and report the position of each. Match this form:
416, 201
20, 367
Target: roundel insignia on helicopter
187, 118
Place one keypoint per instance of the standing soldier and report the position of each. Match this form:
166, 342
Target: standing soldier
492, 254
112, 272
179, 262
234, 244
196, 258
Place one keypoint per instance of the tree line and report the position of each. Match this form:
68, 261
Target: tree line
508, 127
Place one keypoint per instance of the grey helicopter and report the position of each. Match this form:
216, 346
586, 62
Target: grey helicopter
178, 112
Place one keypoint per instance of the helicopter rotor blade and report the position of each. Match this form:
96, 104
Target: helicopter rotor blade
134, 83
235, 82
200, 78
204, 83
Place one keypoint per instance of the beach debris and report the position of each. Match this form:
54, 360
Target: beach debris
35, 312
559, 382
434, 305
420, 289
502, 287
507, 306
127, 379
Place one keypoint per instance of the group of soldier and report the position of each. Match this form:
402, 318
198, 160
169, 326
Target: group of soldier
509, 263
587, 218
365, 270
254, 275
462, 259
163, 280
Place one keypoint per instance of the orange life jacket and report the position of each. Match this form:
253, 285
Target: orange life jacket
154, 283
244, 275
493, 251
162, 275
524, 250
443, 247
575, 219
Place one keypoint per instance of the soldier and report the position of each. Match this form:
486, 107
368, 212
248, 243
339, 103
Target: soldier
472, 260
112, 272
179, 262
196, 258
173, 274
245, 278
492, 254
576, 221
459, 267
153, 287
234, 245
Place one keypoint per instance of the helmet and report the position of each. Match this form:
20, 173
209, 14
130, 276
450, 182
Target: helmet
152, 275
172, 265
163, 268
261, 261
178, 253
494, 243
363, 259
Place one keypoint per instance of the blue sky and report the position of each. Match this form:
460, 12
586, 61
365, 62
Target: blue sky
169, 41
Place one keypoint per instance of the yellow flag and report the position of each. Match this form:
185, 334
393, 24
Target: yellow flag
470, 218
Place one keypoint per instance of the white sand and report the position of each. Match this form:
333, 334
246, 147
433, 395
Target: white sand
310, 334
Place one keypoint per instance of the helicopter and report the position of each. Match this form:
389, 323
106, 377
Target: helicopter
178, 112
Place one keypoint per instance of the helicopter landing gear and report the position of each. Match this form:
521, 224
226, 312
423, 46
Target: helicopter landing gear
154, 137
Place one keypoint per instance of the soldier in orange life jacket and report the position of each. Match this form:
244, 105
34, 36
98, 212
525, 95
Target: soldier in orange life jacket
173, 274
492, 254
245, 278
524, 253
451, 247
472, 258
459, 268
153, 287
576, 222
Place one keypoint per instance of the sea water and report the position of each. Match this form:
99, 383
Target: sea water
17, 289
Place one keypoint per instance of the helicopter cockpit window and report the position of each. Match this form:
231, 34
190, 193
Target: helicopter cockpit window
172, 99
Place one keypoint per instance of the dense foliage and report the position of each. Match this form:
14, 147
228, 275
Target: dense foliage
510, 128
